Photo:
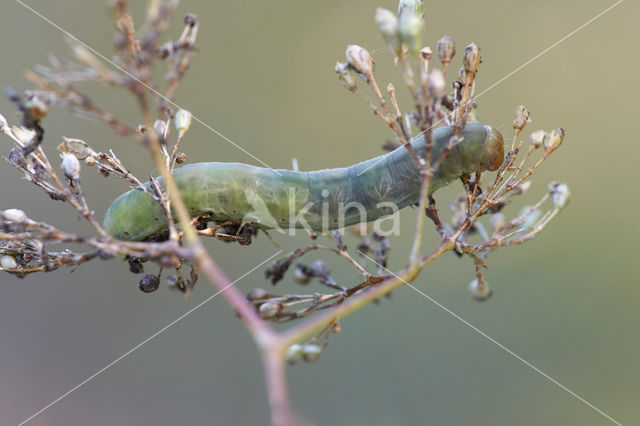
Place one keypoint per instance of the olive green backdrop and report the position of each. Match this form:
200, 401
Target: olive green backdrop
567, 302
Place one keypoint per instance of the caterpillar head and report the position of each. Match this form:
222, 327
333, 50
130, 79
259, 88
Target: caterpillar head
493, 150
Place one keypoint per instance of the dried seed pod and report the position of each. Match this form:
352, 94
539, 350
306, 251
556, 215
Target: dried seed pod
554, 139
415, 6
536, 140
320, 269
180, 157
522, 118
301, 276
149, 283
410, 29
160, 126
37, 108
293, 353
480, 290
70, 166
270, 309
497, 222
257, 294
342, 69
311, 352
436, 84
471, 58
359, 60
446, 50
560, 193
388, 27
77, 147
8, 262
182, 121
15, 215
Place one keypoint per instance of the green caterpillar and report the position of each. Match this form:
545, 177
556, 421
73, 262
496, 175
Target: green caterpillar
321, 200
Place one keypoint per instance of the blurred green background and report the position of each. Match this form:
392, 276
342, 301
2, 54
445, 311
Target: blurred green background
264, 77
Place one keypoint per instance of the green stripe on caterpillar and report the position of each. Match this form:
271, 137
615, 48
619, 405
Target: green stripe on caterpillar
321, 200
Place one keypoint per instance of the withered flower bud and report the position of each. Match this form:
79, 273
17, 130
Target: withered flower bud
410, 29
293, 353
160, 126
388, 27
8, 262
536, 140
437, 84
311, 352
522, 118
554, 139
257, 294
342, 69
471, 58
269, 310
70, 166
182, 121
359, 60
180, 157
37, 108
426, 53
190, 19
480, 290
15, 215
446, 50
560, 193
90, 161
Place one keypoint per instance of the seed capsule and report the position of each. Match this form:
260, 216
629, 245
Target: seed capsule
293, 353
480, 290
471, 58
257, 294
410, 29
554, 139
446, 50
15, 215
359, 59
269, 310
536, 140
301, 277
342, 69
388, 27
70, 166
522, 118
560, 193
182, 121
149, 283
311, 352
8, 262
